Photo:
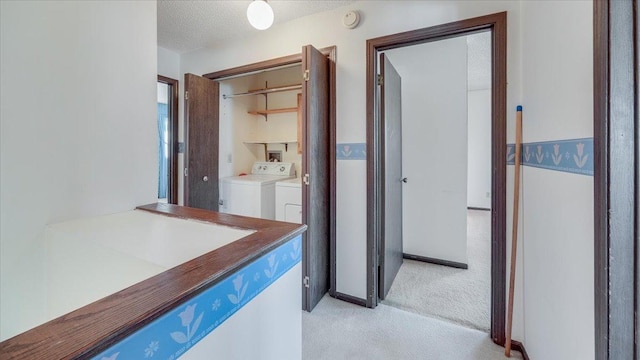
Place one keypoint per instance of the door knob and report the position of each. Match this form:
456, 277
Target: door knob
206, 178
404, 180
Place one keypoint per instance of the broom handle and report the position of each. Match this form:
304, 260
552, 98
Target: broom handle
514, 230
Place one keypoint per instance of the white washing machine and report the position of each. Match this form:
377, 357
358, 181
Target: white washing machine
254, 195
289, 201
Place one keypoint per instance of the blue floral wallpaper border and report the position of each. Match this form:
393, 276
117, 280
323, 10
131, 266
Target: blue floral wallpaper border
351, 151
173, 334
572, 156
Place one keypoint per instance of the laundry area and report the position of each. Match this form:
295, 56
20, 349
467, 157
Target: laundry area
260, 145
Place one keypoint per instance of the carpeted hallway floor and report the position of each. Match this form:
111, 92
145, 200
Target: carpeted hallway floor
338, 330
457, 295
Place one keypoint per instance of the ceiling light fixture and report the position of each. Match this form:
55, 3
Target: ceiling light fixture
260, 14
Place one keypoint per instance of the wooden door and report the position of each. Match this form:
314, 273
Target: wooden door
391, 120
202, 130
315, 172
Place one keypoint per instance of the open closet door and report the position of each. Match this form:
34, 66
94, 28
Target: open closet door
201, 142
391, 121
315, 172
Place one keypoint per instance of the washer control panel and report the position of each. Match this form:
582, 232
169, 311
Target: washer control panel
273, 168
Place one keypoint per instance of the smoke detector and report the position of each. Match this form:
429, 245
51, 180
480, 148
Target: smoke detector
351, 19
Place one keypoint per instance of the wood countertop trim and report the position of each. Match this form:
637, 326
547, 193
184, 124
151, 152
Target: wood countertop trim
91, 329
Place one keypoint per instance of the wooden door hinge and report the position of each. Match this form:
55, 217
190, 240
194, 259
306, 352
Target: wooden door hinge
380, 80
305, 75
305, 281
186, 95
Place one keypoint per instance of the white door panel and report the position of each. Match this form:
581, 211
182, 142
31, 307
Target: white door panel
434, 148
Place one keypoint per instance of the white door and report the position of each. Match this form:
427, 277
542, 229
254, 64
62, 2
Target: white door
391, 120
434, 148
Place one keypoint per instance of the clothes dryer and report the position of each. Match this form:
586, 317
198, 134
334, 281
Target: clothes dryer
254, 195
289, 201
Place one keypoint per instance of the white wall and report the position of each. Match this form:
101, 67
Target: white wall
434, 148
78, 119
479, 149
479, 120
325, 29
557, 55
169, 64
270, 324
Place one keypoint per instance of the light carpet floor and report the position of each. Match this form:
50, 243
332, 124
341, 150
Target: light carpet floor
339, 330
456, 295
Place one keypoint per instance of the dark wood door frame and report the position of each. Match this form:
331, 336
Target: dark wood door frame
497, 24
331, 53
172, 197
616, 159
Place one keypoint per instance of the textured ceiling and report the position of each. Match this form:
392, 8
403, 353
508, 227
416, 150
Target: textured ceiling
189, 25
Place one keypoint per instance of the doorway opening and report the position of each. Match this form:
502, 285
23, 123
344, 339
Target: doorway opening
167, 95
445, 157
384, 241
314, 77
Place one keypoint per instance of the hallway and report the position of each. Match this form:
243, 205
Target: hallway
461, 296
340, 330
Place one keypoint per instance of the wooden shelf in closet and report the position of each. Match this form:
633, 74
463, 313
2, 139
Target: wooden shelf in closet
269, 90
271, 142
273, 111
